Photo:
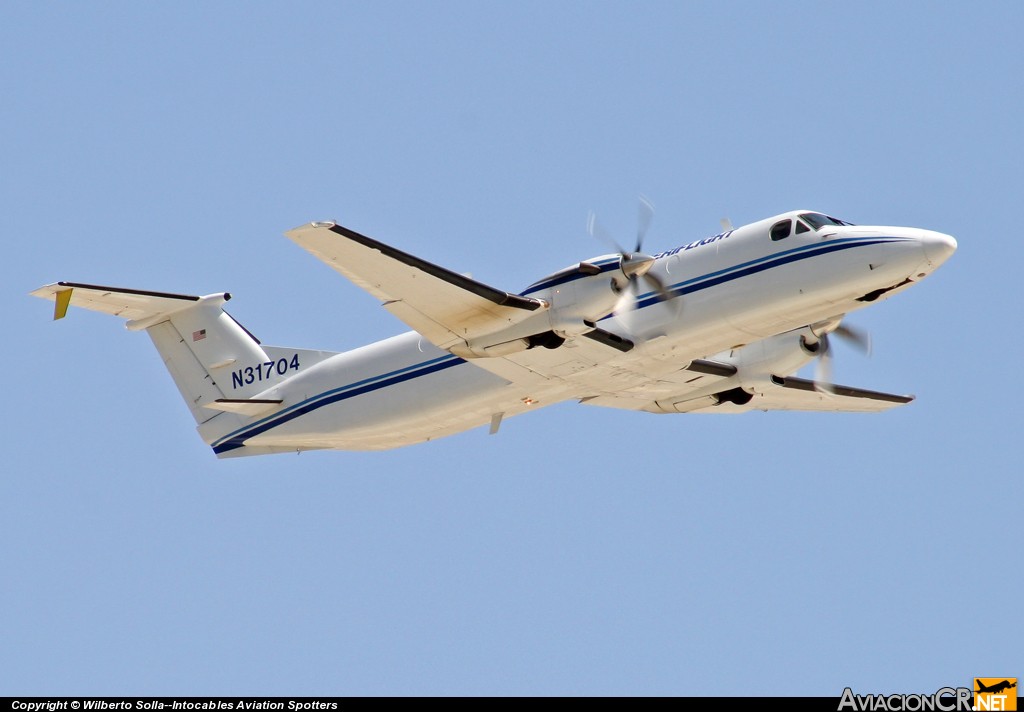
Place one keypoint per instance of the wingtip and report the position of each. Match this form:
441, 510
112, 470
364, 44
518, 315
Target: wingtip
306, 227
60, 293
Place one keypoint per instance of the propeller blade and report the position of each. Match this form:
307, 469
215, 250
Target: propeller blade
626, 301
645, 213
823, 371
726, 224
663, 292
857, 338
596, 229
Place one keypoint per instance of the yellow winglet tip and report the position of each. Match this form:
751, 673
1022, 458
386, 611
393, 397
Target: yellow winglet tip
61, 302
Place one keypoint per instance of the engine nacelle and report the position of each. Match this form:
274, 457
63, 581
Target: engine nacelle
488, 347
755, 365
577, 298
784, 353
585, 292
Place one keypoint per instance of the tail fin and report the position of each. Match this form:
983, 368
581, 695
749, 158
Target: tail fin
217, 365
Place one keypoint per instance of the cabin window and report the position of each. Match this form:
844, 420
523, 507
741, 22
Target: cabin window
781, 229
801, 226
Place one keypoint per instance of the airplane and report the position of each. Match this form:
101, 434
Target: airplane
717, 325
996, 688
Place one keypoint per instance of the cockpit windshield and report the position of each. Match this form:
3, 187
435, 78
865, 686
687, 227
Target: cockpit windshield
818, 220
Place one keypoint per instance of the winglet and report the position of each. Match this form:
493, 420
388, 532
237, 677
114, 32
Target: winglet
61, 302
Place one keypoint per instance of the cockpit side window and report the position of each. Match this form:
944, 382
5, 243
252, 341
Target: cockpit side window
801, 226
818, 220
781, 229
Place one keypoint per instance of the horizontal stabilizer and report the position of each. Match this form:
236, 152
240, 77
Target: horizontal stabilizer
135, 305
252, 408
448, 308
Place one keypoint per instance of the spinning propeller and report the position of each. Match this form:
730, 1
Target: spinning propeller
861, 340
635, 264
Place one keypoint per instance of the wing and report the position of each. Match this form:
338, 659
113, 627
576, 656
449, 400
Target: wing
715, 387
792, 393
449, 309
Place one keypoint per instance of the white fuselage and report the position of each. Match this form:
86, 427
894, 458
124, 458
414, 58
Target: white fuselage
730, 290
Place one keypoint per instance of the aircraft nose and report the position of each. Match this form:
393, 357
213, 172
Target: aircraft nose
937, 246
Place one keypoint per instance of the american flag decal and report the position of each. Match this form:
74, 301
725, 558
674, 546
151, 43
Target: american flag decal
199, 335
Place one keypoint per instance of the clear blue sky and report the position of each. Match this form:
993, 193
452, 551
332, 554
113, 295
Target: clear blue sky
167, 146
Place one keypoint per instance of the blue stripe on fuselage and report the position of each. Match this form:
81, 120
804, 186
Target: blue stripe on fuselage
761, 264
237, 438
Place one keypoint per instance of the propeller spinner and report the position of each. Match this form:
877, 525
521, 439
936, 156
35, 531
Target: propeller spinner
635, 264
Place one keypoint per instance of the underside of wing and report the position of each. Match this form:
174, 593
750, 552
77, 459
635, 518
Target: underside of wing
792, 393
732, 396
448, 308
693, 383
